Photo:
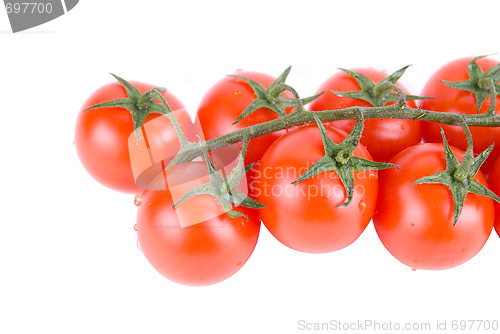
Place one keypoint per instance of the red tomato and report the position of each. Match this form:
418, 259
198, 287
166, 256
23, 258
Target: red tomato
102, 136
448, 99
494, 183
382, 137
210, 248
304, 216
415, 222
223, 104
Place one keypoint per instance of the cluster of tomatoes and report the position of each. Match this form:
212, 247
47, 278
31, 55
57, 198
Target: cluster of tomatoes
198, 243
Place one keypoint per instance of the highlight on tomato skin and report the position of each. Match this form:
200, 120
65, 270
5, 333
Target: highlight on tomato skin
102, 135
383, 138
195, 243
305, 216
451, 100
415, 222
494, 183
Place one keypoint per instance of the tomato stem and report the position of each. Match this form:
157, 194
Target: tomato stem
396, 111
272, 98
493, 97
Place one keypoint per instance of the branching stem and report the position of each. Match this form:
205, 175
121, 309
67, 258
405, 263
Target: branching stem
398, 111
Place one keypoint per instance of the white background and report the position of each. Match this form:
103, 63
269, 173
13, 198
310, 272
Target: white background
68, 255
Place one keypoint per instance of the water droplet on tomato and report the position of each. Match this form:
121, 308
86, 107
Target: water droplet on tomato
136, 227
239, 263
138, 199
237, 92
362, 205
412, 225
139, 245
414, 269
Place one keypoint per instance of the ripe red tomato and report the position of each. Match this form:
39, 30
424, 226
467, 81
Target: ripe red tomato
102, 136
382, 137
304, 216
494, 183
415, 222
225, 101
210, 248
448, 99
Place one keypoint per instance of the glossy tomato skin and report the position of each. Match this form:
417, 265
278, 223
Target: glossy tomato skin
448, 99
102, 136
382, 137
494, 183
207, 252
304, 216
223, 103
415, 222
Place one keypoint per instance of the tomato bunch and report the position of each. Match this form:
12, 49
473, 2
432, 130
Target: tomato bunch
313, 178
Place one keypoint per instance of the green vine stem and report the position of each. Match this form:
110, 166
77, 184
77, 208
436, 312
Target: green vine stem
399, 110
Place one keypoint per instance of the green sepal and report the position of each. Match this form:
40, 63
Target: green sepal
156, 108
247, 201
121, 103
358, 164
236, 214
377, 94
476, 82
480, 159
338, 158
459, 177
271, 98
204, 189
224, 189
132, 92
140, 105
324, 164
289, 102
258, 104
347, 177
394, 77
280, 79
309, 99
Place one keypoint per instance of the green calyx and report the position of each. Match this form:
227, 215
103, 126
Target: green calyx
272, 98
459, 177
140, 105
224, 188
481, 84
339, 158
378, 94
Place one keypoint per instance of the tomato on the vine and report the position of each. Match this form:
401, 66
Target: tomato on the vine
307, 216
382, 137
452, 100
102, 136
223, 103
415, 222
494, 183
196, 243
